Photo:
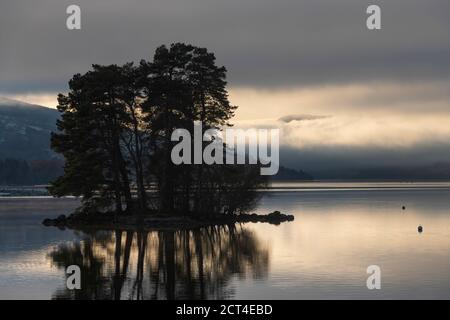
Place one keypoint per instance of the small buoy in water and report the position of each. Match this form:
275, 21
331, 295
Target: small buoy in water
403, 208
420, 229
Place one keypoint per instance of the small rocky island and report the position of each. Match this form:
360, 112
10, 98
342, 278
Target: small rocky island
119, 131
110, 221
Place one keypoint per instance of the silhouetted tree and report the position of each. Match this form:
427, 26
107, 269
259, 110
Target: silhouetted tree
115, 134
183, 85
94, 118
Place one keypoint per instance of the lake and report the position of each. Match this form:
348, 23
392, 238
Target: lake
339, 230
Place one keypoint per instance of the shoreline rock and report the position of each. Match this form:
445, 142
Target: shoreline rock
109, 221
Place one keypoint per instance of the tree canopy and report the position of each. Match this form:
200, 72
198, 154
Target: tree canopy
115, 135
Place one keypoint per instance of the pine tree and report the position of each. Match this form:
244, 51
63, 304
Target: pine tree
115, 135
89, 138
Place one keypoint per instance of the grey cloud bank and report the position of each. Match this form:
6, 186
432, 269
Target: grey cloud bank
322, 46
430, 161
263, 43
300, 117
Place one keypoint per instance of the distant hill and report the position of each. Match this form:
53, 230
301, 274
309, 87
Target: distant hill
25, 130
437, 171
287, 174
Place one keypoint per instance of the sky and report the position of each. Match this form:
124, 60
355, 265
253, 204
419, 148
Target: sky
342, 95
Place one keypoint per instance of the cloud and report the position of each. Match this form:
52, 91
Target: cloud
389, 132
373, 99
264, 45
300, 117
386, 94
344, 144
328, 162
41, 99
367, 124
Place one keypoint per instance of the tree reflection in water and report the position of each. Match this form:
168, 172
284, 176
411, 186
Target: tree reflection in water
188, 264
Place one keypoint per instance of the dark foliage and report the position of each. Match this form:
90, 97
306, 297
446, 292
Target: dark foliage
115, 135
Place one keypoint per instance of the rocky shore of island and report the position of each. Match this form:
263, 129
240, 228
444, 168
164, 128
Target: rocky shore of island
111, 221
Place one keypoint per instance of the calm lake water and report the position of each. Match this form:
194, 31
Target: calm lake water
339, 230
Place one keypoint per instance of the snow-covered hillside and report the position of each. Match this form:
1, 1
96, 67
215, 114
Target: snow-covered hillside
25, 130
